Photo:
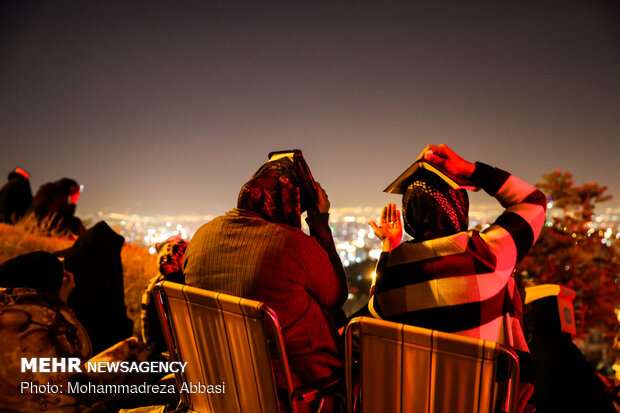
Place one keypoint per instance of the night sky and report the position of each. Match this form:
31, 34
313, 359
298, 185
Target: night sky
169, 107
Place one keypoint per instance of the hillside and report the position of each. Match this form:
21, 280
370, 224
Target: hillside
138, 265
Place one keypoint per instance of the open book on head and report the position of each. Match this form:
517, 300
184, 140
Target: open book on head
399, 186
309, 194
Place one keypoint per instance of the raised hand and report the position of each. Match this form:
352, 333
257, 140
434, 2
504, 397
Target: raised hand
67, 286
446, 158
322, 199
390, 230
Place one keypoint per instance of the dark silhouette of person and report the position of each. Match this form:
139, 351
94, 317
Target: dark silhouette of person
35, 321
99, 297
57, 201
565, 382
15, 196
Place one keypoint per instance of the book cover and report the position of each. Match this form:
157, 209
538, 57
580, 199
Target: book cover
400, 184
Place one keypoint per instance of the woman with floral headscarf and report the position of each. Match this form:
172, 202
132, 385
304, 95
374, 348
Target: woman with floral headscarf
170, 254
258, 251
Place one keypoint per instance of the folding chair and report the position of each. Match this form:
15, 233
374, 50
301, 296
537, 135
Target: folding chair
410, 369
226, 340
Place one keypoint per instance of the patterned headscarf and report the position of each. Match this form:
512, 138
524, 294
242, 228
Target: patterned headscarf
430, 204
170, 255
273, 193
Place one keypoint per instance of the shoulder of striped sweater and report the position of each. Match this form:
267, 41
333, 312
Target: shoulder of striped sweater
408, 252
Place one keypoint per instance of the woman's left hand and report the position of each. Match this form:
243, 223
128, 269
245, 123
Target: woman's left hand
390, 230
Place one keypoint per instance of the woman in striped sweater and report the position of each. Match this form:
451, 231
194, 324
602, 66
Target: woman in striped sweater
450, 278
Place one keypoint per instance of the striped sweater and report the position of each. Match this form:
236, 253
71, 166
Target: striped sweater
463, 283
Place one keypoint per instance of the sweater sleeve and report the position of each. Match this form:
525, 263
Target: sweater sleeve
516, 230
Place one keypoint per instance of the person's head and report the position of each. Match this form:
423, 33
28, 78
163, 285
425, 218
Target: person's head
431, 208
69, 188
170, 255
39, 270
273, 193
18, 173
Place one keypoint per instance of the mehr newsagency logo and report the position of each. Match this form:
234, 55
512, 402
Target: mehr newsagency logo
74, 365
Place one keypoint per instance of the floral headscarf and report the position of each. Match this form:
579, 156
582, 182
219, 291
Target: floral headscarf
170, 255
273, 193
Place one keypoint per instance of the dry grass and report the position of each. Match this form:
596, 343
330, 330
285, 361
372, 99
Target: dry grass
28, 235
138, 268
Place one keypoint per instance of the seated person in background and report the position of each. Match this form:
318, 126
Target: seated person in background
258, 251
56, 201
99, 298
170, 254
35, 321
565, 382
450, 278
15, 196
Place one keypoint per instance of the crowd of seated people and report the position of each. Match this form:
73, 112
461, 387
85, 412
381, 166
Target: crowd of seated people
447, 278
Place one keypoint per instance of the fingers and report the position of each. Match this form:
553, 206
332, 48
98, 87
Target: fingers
393, 213
443, 151
446, 158
440, 151
68, 278
384, 216
389, 215
68, 284
424, 151
322, 199
320, 191
377, 230
319, 188
435, 159
374, 226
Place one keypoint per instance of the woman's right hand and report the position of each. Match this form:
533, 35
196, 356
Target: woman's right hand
446, 158
323, 203
67, 286
390, 230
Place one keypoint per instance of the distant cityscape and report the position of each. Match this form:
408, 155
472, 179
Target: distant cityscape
355, 241
354, 238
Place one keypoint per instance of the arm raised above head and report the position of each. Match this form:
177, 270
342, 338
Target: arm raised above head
524, 215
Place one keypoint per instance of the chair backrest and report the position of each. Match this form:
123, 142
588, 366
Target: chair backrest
404, 368
224, 341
